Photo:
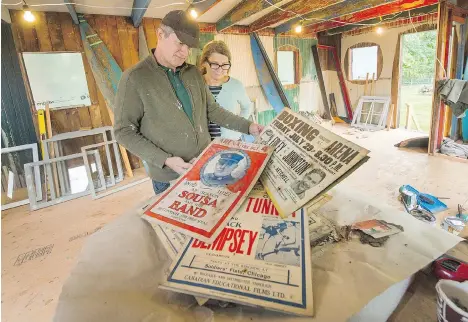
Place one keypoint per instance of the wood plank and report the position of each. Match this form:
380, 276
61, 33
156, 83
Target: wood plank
442, 114
374, 15
245, 9
395, 87
95, 116
30, 36
114, 42
55, 31
16, 28
42, 31
442, 27
291, 9
133, 41
124, 43
150, 32
105, 117
85, 118
69, 39
92, 86
51, 149
100, 27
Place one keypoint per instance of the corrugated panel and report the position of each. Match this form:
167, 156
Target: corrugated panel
195, 53
17, 123
243, 67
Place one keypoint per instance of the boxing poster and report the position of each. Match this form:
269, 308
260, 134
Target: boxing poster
307, 161
203, 200
258, 259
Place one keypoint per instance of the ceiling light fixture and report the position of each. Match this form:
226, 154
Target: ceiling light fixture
28, 16
193, 13
298, 28
379, 30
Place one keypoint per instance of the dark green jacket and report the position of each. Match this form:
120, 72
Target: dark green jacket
150, 123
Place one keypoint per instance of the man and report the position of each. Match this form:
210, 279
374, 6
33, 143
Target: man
224, 167
309, 181
163, 105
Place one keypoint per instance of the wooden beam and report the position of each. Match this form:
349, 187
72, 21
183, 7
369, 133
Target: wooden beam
443, 29
290, 11
387, 18
243, 10
461, 32
203, 6
355, 14
138, 11
72, 11
323, 91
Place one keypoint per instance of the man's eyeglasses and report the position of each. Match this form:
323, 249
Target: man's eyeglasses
217, 66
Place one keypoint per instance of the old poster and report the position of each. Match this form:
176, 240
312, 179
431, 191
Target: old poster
258, 259
202, 201
308, 160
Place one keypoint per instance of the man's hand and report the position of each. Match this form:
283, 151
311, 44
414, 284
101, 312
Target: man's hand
177, 164
255, 129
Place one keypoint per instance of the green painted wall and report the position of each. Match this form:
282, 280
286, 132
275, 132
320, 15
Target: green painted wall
307, 72
195, 53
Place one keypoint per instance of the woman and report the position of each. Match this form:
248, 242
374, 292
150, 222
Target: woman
215, 64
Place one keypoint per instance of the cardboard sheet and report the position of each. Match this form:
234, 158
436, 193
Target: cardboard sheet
120, 267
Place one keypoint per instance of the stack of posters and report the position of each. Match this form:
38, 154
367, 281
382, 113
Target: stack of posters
236, 243
258, 259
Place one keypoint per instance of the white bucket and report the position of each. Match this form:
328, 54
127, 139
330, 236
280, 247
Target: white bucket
447, 292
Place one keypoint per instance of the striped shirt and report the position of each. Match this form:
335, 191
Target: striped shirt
213, 128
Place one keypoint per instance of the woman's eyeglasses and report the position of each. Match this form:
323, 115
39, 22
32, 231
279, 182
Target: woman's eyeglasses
216, 66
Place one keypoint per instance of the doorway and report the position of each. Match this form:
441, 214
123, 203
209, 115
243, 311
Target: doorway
417, 56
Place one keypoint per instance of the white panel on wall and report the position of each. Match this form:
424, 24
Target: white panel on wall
57, 78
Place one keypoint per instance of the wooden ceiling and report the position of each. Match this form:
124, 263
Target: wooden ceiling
330, 16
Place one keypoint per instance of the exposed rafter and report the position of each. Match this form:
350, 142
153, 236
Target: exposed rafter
290, 11
204, 6
138, 11
336, 10
71, 9
370, 16
243, 10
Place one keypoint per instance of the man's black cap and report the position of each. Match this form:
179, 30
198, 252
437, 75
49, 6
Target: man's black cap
184, 27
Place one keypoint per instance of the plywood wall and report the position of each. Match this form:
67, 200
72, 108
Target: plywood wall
55, 32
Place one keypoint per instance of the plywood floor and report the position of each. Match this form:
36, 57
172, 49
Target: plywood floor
31, 283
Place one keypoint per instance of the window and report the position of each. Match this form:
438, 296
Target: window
286, 67
363, 63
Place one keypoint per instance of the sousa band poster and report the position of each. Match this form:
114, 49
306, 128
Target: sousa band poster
308, 160
258, 259
202, 201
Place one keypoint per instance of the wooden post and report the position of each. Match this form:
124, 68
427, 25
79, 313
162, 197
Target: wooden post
443, 30
123, 152
52, 150
365, 86
413, 117
408, 113
390, 117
